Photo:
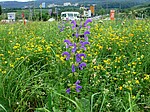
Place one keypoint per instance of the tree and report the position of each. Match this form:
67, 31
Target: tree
0, 10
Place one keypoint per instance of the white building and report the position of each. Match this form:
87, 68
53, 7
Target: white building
11, 16
43, 5
76, 4
51, 5
87, 13
67, 4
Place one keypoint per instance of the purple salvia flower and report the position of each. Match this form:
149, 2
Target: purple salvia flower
74, 24
83, 45
73, 68
82, 65
85, 33
68, 43
77, 82
67, 54
87, 21
82, 54
74, 48
80, 25
77, 35
78, 86
78, 57
68, 90
88, 28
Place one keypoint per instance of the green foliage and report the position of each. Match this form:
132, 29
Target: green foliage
34, 75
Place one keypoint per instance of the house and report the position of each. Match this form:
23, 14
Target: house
11, 16
67, 4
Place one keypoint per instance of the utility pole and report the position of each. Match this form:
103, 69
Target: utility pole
34, 10
41, 11
107, 6
30, 10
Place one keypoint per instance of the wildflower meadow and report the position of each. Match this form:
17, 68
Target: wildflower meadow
75, 66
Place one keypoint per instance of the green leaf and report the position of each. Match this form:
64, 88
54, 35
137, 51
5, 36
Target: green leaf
56, 110
68, 111
1, 106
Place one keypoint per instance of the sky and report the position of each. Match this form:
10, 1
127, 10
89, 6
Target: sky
16, 0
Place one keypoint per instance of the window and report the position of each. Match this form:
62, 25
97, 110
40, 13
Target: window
63, 15
75, 15
70, 15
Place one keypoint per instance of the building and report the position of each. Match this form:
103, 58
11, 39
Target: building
76, 4
51, 5
43, 5
11, 16
67, 4
87, 13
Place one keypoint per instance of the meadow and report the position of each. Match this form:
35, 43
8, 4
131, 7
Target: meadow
36, 75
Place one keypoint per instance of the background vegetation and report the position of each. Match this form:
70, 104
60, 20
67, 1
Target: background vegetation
140, 11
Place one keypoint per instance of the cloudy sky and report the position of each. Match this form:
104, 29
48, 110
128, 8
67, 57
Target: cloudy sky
16, 0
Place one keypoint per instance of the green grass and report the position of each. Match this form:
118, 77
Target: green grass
34, 76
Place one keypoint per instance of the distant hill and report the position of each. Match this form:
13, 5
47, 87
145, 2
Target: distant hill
109, 3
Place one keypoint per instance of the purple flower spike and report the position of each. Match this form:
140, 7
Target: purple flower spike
77, 35
78, 86
88, 27
85, 33
82, 54
74, 24
78, 57
68, 43
67, 54
87, 21
75, 48
83, 45
82, 65
68, 90
73, 68
77, 82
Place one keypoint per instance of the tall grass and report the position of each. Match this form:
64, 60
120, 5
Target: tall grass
34, 76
